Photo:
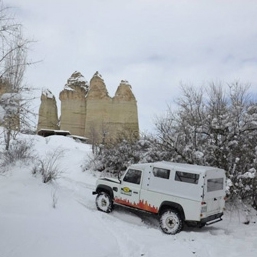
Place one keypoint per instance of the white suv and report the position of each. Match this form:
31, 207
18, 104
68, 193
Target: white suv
178, 193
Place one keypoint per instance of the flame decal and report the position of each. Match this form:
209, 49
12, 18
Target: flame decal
143, 205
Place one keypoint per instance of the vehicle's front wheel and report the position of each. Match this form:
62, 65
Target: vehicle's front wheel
104, 202
171, 222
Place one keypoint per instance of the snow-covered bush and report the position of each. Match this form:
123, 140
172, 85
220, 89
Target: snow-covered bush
215, 126
244, 187
117, 156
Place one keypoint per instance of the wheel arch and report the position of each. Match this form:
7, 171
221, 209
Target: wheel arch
106, 189
171, 205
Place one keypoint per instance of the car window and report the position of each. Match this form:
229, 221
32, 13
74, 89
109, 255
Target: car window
133, 176
161, 173
186, 177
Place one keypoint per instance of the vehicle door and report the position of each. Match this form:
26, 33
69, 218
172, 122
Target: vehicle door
214, 191
130, 188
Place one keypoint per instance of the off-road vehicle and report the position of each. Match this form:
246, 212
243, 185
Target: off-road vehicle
178, 193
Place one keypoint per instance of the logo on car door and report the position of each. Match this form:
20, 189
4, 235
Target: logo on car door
126, 191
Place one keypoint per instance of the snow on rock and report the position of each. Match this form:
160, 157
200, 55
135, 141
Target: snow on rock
76, 79
46, 92
125, 82
97, 74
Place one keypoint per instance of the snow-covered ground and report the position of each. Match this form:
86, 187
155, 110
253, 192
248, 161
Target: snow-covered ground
30, 226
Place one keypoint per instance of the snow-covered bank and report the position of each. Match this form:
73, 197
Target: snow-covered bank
31, 226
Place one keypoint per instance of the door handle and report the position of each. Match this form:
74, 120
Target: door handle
215, 199
134, 192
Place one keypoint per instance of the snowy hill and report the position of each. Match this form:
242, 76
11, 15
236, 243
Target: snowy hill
60, 218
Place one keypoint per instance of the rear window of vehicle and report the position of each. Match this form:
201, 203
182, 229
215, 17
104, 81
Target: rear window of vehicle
186, 177
215, 184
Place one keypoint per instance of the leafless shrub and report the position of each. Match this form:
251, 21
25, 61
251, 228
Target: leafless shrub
18, 150
34, 170
49, 167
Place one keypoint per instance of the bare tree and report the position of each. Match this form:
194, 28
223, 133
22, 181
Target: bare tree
13, 62
99, 135
94, 137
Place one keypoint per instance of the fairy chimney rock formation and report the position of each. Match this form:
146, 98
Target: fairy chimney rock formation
97, 89
124, 92
48, 116
73, 106
87, 109
125, 112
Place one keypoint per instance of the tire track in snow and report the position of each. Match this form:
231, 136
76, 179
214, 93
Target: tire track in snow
78, 184
78, 191
127, 245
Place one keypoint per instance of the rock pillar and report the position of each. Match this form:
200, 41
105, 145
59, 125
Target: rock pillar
48, 116
73, 105
98, 105
124, 114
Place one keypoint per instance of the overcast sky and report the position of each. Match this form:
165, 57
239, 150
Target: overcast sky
154, 44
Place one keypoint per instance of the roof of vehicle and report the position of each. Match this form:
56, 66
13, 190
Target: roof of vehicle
177, 166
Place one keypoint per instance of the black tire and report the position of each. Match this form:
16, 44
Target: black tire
104, 202
171, 222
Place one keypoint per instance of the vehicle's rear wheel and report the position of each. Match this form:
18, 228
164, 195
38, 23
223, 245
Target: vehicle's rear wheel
104, 202
171, 222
